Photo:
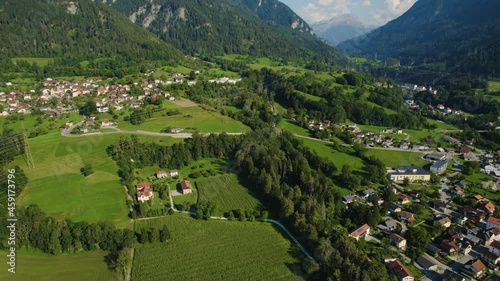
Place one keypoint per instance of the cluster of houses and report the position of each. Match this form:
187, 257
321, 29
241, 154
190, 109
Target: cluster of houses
62, 92
106, 95
145, 191
471, 227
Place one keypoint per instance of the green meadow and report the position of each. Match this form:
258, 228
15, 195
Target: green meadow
338, 158
494, 86
292, 127
216, 250
192, 118
58, 187
86, 266
397, 158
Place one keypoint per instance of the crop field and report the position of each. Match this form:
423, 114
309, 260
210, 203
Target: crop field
337, 157
227, 193
216, 250
191, 118
87, 266
397, 158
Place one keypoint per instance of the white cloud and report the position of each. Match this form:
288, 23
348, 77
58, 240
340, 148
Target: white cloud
325, 9
398, 7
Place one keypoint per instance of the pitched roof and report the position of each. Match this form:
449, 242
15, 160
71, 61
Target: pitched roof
406, 214
142, 185
186, 185
495, 244
396, 238
399, 269
494, 220
490, 207
425, 262
478, 265
360, 231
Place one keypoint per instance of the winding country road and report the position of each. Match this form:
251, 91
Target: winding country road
275, 222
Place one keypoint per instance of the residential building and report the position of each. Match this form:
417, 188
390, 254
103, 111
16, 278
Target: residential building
474, 268
450, 246
439, 167
144, 191
400, 270
436, 156
393, 208
361, 232
413, 173
492, 222
407, 216
492, 253
398, 241
444, 222
389, 224
186, 187
449, 275
426, 263
348, 199
403, 198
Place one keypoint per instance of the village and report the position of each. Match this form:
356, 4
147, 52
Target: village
58, 96
465, 224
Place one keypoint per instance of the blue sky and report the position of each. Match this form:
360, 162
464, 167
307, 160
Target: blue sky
375, 12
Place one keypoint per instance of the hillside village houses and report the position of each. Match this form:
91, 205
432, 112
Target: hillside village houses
105, 95
144, 191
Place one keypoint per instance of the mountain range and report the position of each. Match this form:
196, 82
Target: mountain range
256, 27
341, 28
453, 35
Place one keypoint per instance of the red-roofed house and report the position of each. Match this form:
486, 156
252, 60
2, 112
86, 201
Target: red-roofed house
493, 222
144, 191
361, 232
400, 270
464, 150
473, 268
186, 187
489, 207
407, 216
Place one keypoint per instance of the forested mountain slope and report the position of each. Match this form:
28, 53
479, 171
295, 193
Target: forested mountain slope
457, 35
80, 29
261, 28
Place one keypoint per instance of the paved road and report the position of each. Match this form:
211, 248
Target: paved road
67, 133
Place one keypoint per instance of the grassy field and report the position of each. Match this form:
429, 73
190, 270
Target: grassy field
337, 157
57, 186
40, 61
397, 158
292, 127
308, 96
216, 250
87, 266
192, 118
494, 86
227, 192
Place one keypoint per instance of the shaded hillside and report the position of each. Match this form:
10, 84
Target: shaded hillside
80, 29
261, 28
452, 35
